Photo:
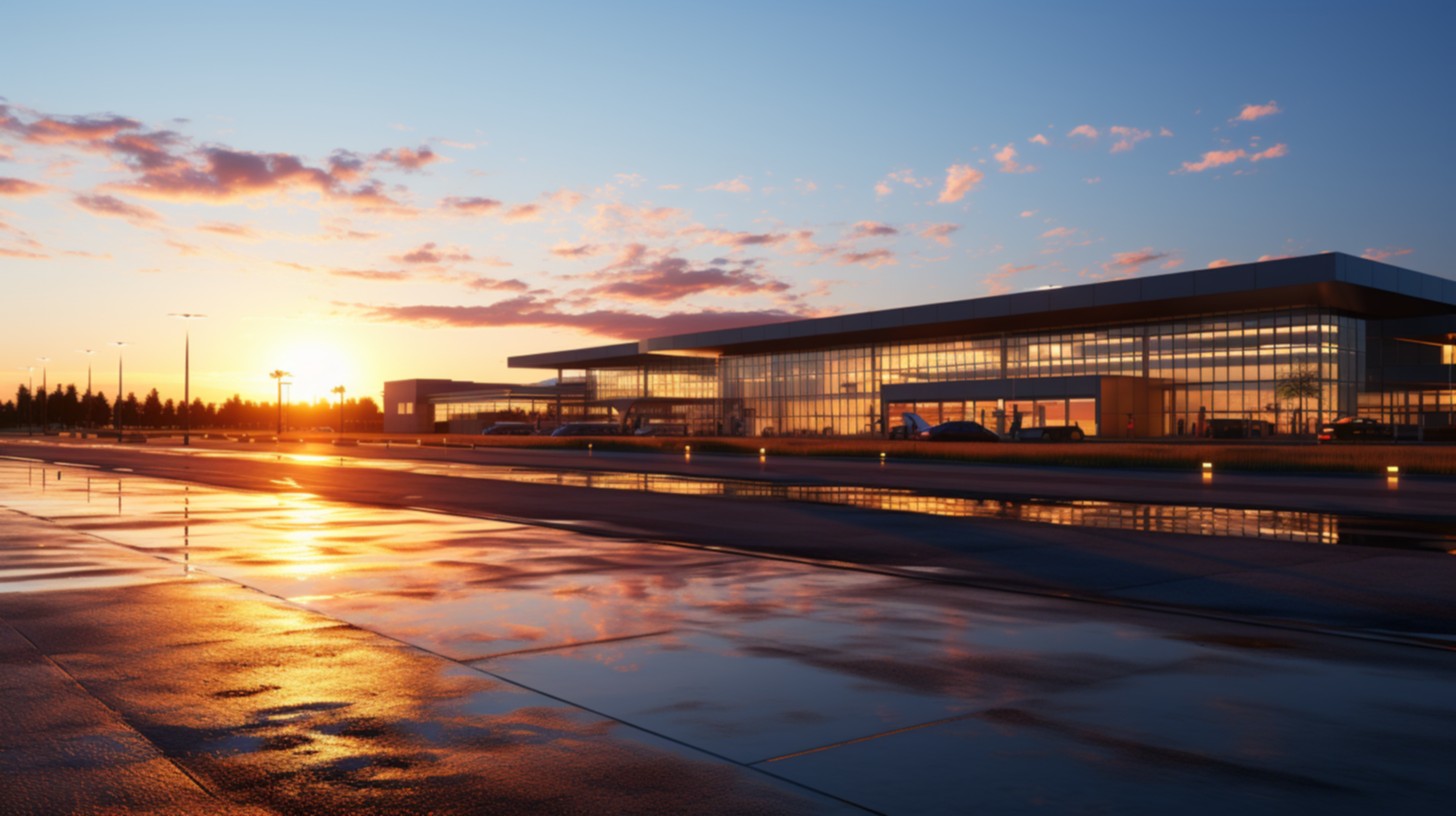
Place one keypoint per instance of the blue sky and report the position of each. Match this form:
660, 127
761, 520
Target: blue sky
379, 192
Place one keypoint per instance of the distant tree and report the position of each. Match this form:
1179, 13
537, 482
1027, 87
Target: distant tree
197, 414
68, 407
24, 406
169, 414
130, 410
1297, 384
152, 410
100, 411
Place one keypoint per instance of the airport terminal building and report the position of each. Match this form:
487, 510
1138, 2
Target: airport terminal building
1277, 346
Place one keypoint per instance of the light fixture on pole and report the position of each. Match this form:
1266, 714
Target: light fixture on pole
87, 402
187, 375
278, 374
339, 389
116, 403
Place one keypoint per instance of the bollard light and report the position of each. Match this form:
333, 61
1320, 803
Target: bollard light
1393, 470
1207, 467
588, 449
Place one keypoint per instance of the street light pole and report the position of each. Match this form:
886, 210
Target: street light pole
339, 389
278, 374
116, 403
187, 375
30, 407
87, 417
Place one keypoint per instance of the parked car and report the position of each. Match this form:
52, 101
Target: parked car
962, 431
588, 429
1051, 433
509, 429
1356, 429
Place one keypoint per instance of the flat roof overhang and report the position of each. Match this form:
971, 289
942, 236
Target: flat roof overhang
1332, 280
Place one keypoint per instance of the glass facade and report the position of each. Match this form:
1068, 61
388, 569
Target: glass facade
1290, 368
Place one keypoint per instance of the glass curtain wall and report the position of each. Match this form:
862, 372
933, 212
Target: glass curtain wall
1290, 368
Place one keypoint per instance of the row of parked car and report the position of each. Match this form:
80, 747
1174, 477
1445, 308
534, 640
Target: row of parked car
583, 429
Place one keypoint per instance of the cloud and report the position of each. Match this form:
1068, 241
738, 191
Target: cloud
1127, 137
432, 254
1028, 213
1214, 158
474, 205
1006, 157
959, 180
939, 233
871, 229
1384, 254
371, 274
1164, 132
1276, 152
872, 258
407, 159
546, 313
999, 282
735, 239
1086, 131
734, 185
1039, 139
483, 284
642, 274
885, 186
566, 199
564, 250
55, 130
20, 187
1252, 112
615, 217
805, 186
1058, 232
23, 254
523, 212
1220, 263
1127, 264
116, 208
229, 230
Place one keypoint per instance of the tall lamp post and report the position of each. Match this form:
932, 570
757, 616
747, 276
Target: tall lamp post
88, 353
278, 374
187, 374
116, 403
339, 389
44, 392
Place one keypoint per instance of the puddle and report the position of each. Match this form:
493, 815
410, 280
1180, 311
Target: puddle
854, 683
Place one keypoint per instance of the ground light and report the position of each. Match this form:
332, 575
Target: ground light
1207, 472
1392, 476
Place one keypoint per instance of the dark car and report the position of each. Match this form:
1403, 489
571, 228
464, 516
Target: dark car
965, 431
509, 429
1356, 429
1051, 433
588, 429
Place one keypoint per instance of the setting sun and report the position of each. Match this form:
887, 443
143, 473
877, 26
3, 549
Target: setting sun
316, 365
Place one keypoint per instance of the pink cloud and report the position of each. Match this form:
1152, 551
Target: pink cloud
565, 199
474, 205
431, 253
1058, 232
871, 229
1214, 158
523, 212
1252, 112
565, 250
1384, 254
1127, 137
1127, 264
533, 311
628, 220
371, 274
1028, 213
906, 177
229, 230
23, 254
407, 159
873, 258
959, 180
1006, 157
728, 238
483, 284
642, 274
1263, 258
1039, 139
939, 233
1220, 263
1086, 131
115, 208
1277, 151
734, 185
20, 187
999, 282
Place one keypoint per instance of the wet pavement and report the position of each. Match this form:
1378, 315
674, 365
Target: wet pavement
178, 644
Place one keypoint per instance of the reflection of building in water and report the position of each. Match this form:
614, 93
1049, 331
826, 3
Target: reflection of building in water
1284, 525
1260, 348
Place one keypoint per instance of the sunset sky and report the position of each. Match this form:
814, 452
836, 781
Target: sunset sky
372, 191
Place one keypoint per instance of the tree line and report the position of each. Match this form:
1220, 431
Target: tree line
66, 408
